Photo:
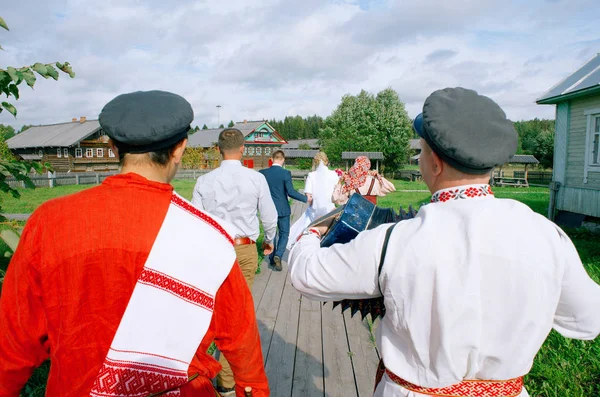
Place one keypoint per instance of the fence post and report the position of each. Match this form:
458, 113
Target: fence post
97, 179
77, 179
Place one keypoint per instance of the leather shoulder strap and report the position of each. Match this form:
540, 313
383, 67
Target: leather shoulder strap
386, 241
371, 187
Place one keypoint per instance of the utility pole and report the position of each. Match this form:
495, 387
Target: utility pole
218, 115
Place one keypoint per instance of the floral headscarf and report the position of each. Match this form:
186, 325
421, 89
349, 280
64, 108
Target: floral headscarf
357, 174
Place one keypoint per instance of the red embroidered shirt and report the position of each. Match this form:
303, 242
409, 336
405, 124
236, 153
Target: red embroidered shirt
70, 280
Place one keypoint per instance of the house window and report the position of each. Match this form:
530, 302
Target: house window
251, 151
245, 151
595, 142
258, 135
66, 152
267, 151
99, 152
258, 150
111, 153
41, 153
59, 152
89, 152
78, 153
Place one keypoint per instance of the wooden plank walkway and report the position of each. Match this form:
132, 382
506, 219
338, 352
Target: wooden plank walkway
310, 349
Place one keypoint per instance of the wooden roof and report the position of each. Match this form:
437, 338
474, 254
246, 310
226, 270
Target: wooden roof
54, 135
299, 153
523, 159
354, 155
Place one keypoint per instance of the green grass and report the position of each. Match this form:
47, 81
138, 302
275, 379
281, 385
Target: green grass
563, 367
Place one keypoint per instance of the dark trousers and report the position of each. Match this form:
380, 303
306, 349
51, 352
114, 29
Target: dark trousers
282, 237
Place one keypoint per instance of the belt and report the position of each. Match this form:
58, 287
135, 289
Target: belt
243, 241
466, 388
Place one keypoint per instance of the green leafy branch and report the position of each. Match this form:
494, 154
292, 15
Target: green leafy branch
11, 77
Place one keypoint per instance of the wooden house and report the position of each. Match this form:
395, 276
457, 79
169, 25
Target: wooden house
575, 189
77, 146
260, 141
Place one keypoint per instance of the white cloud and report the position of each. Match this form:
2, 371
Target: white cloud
272, 58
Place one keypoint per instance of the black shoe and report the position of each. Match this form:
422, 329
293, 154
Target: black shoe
277, 264
226, 391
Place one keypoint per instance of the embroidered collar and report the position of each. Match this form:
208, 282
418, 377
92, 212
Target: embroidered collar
462, 192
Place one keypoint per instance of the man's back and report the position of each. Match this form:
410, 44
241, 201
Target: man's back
236, 194
81, 283
479, 308
279, 180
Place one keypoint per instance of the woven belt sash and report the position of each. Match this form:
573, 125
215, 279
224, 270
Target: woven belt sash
466, 388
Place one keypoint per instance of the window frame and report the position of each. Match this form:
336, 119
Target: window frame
258, 151
59, 152
251, 151
268, 151
66, 153
111, 153
100, 152
89, 150
592, 123
80, 151
41, 153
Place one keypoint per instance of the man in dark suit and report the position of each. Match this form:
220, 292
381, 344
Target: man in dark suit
280, 185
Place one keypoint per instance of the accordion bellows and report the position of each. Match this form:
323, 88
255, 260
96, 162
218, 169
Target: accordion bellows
344, 223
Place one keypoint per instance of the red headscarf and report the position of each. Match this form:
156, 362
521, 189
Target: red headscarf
357, 174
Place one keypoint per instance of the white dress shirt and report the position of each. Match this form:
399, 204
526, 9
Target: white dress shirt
472, 287
236, 194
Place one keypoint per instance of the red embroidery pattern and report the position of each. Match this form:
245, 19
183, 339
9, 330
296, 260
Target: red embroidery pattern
462, 193
184, 205
466, 388
177, 287
127, 379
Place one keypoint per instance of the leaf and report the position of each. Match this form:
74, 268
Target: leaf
29, 77
52, 72
66, 67
11, 109
40, 69
12, 72
14, 90
3, 24
10, 238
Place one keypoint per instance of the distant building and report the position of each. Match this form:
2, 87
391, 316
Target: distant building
261, 140
78, 146
575, 191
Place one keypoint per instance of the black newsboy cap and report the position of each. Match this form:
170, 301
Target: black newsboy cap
146, 121
467, 130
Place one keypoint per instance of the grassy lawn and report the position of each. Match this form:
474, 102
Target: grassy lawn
563, 367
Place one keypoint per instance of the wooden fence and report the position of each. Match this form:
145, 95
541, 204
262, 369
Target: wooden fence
95, 178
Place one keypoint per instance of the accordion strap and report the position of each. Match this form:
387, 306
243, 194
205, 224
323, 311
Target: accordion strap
386, 241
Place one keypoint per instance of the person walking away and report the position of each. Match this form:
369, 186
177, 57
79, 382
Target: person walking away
281, 187
239, 196
319, 187
362, 180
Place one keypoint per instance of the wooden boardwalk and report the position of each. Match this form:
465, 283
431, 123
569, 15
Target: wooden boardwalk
310, 349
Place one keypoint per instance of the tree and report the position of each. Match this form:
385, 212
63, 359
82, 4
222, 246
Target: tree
221, 126
25, 127
10, 79
371, 124
536, 137
7, 131
204, 127
231, 124
304, 163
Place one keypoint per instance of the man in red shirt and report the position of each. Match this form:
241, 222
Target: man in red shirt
124, 286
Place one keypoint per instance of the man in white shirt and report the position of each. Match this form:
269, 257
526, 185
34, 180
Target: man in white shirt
238, 195
465, 316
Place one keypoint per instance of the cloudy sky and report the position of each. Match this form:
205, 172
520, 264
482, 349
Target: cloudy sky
272, 58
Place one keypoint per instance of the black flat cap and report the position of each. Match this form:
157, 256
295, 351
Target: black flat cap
467, 130
145, 121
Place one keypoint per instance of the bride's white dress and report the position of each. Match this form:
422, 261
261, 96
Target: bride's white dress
320, 183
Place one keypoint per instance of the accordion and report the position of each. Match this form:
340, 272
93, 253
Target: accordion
344, 224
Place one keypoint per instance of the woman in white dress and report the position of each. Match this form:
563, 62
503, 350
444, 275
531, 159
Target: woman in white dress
319, 186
